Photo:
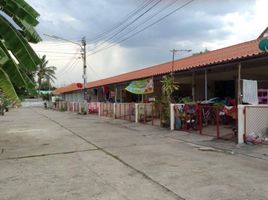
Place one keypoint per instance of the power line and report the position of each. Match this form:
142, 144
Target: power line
146, 27
59, 55
73, 58
63, 39
55, 59
128, 17
70, 67
67, 67
143, 22
92, 69
54, 44
129, 24
57, 52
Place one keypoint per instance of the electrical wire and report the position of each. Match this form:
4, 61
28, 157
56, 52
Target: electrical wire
109, 39
66, 67
140, 7
93, 70
143, 29
142, 22
57, 52
72, 59
70, 67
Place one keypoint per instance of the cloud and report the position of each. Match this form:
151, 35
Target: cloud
203, 24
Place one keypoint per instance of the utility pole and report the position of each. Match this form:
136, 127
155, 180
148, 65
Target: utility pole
84, 56
174, 51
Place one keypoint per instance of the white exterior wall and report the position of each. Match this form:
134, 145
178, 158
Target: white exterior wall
76, 96
257, 120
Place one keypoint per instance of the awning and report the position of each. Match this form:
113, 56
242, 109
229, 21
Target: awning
145, 86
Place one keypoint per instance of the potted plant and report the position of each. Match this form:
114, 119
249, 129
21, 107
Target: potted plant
168, 87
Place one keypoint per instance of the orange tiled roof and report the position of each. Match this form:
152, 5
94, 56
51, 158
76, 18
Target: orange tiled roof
68, 88
227, 54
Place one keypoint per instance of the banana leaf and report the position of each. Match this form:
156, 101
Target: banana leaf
16, 43
28, 8
13, 9
28, 31
19, 9
11, 68
7, 87
3, 57
29, 83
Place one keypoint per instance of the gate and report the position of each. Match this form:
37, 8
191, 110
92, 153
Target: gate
218, 121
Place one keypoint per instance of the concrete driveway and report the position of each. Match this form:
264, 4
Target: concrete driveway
51, 155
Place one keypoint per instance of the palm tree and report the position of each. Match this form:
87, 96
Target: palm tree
45, 72
17, 58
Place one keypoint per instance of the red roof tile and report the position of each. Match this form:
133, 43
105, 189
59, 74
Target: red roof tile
68, 88
227, 54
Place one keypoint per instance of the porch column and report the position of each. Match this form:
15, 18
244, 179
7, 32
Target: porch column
136, 112
121, 99
239, 84
206, 85
172, 117
193, 86
115, 95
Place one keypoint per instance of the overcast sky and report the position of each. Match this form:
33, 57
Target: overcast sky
201, 24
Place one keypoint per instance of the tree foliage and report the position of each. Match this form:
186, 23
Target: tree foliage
17, 58
45, 73
169, 86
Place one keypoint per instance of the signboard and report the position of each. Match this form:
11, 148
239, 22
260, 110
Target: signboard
145, 86
263, 45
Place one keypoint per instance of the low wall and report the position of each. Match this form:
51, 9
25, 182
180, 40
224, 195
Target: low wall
252, 119
32, 103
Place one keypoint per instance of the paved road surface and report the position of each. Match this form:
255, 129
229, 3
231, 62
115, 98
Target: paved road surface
49, 155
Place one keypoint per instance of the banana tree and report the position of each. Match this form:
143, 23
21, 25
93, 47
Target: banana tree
17, 58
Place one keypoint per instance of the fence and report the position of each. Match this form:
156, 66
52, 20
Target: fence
93, 107
217, 121
149, 113
256, 120
106, 109
78, 107
32, 103
70, 106
61, 105
186, 117
125, 111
